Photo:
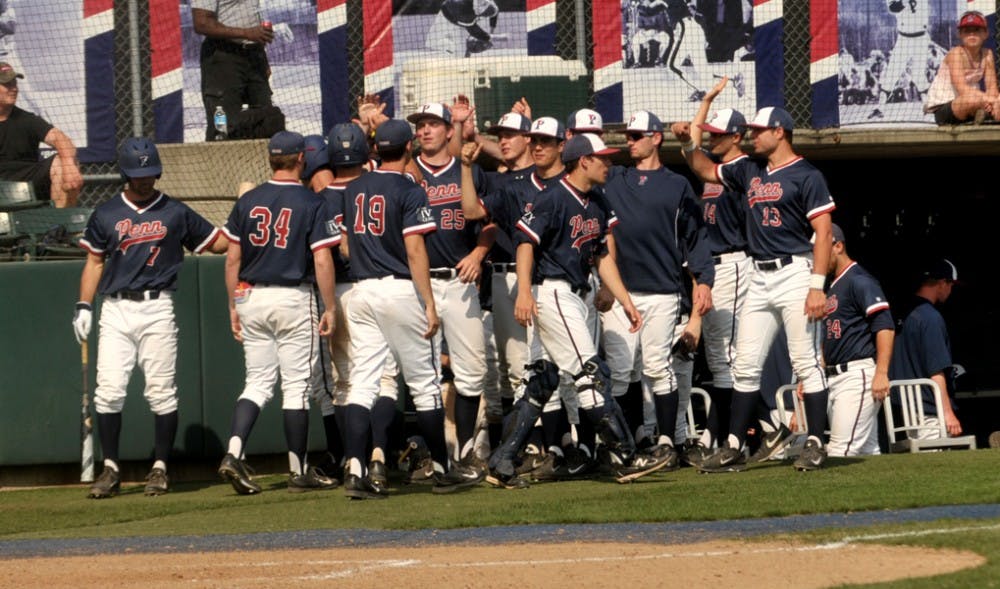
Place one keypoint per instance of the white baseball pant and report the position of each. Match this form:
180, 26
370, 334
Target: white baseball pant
511, 336
853, 411
660, 316
719, 326
462, 326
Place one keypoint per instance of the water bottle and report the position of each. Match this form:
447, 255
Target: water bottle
221, 126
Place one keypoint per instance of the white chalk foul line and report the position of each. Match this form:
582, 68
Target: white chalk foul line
910, 534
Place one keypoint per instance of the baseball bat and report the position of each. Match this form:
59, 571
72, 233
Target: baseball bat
500, 37
86, 425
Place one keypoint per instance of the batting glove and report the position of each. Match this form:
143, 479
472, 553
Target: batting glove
81, 321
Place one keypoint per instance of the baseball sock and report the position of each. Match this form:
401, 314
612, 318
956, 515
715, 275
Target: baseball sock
551, 436
110, 425
244, 416
357, 425
297, 438
164, 433
816, 416
431, 425
338, 417
666, 414
631, 404
466, 413
719, 413
586, 437
334, 441
743, 410
536, 438
382, 415
507, 403
495, 431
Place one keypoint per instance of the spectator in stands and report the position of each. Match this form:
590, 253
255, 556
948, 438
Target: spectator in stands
58, 177
234, 67
922, 348
965, 86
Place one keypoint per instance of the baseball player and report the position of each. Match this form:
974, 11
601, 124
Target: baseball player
922, 348
135, 247
280, 238
392, 310
563, 235
316, 174
456, 251
857, 348
660, 230
725, 221
786, 200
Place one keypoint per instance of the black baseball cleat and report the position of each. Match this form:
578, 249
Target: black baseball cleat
771, 443
638, 466
499, 481
330, 467
725, 459
156, 482
310, 480
107, 484
459, 477
695, 453
812, 457
378, 475
236, 472
356, 487
668, 454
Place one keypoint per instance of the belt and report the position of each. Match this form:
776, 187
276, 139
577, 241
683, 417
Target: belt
287, 284
580, 291
239, 48
504, 267
772, 265
835, 369
724, 256
444, 273
136, 295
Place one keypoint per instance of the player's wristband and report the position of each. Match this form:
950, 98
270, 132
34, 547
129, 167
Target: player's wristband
83, 306
817, 281
688, 147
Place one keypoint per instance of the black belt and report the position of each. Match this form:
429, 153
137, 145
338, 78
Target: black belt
288, 284
772, 265
580, 291
238, 48
136, 295
718, 258
445, 273
504, 267
836, 369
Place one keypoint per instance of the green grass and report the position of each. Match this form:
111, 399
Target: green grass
772, 489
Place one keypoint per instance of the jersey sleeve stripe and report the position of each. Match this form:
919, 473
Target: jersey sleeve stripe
718, 175
876, 308
230, 236
827, 208
612, 223
325, 243
420, 229
90, 248
527, 230
216, 233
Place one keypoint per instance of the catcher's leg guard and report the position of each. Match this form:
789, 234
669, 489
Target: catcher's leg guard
607, 417
542, 379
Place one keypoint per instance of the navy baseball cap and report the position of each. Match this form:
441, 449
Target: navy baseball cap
939, 269
725, 122
583, 144
347, 145
838, 234
585, 120
316, 155
644, 121
393, 133
286, 143
434, 110
547, 127
772, 117
511, 121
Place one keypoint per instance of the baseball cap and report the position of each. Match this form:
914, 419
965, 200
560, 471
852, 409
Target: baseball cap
725, 122
433, 110
772, 117
585, 144
7, 73
939, 269
547, 127
347, 145
316, 155
511, 121
838, 234
286, 143
585, 120
971, 18
393, 133
644, 122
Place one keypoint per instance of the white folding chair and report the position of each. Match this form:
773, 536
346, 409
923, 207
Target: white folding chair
919, 435
693, 430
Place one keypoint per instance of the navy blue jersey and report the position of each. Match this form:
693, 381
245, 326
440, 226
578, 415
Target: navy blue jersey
144, 247
381, 208
856, 309
507, 205
779, 203
454, 238
497, 180
569, 229
333, 194
660, 229
278, 225
725, 218
922, 349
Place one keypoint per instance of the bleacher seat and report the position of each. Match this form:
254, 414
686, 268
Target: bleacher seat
16, 196
51, 232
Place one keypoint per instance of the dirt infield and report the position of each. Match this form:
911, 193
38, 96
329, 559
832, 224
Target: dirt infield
704, 565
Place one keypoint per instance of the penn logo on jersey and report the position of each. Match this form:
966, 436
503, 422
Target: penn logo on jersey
131, 234
444, 193
583, 230
711, 190
528, 216
763, 191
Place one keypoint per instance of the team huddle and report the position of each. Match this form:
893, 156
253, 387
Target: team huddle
562, 298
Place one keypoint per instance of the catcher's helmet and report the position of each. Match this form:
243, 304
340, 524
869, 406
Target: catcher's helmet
316, 155
139, 158
347, 145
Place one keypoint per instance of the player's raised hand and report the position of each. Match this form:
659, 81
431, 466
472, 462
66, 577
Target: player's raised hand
234, 324
433, 322
461, 109
327, 322
815, 304
525, 308
717, 89
470, 153
702, 299
469, 126
681, 131
522, 107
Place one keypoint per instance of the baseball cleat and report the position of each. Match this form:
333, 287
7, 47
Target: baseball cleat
579, 464
356, 487
330, 468
812, 457
499, 481
725, 459
552, 468
377, 474
695, 453
156, 482
668, 454
106, 485
459, 477
310, 480
236, 473
639, 466
771, 443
